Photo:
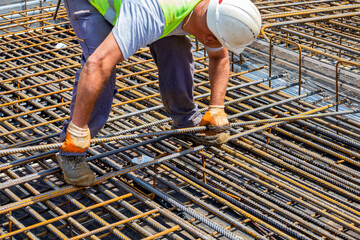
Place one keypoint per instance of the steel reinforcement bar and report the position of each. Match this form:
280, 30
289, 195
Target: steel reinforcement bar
296, 179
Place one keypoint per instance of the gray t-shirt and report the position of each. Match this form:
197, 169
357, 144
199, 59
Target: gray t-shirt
140, 23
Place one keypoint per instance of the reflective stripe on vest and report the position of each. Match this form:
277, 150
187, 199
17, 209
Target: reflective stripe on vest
174, 11
107, 8
110, 13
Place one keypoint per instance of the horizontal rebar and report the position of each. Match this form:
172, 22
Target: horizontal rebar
289, 170
174, 131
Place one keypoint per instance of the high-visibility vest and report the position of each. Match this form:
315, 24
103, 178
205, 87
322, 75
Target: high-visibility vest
174, 11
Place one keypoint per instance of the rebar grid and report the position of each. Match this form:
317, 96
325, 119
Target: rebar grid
327, 30
274, 181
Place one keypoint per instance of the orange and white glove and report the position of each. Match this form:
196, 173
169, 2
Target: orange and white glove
216, 120
77, 139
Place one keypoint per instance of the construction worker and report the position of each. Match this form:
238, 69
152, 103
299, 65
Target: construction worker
110, 31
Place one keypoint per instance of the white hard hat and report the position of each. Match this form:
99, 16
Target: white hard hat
235, 23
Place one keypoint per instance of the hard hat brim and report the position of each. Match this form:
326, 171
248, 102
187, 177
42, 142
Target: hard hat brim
238, 51
211, 19
212, 23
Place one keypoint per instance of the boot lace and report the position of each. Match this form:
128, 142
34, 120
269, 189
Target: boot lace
74, 161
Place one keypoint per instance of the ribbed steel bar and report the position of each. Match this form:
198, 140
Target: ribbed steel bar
228, 219
321, 27
328, 184
134, 210
116, 166
191, 212
345, 123
298, 200
115, 224
55, 208
321, 140
129, 207
292, 185
252, 212
231, 195
261, 216
176, 131
64, 216
208, 207
322, 123
225, 174
192, 229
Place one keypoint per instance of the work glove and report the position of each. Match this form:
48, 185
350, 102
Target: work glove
216, 120
77, 139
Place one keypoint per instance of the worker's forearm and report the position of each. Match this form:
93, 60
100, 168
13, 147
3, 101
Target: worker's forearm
92, 81
219, 70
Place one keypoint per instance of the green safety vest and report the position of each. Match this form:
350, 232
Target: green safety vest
174, 11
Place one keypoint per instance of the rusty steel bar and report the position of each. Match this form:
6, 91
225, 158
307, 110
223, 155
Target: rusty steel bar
64, 216
298, 180
338, 74
271, 53
308, 20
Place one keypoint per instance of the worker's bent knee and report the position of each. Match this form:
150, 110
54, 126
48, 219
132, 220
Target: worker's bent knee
93, 64
96, 64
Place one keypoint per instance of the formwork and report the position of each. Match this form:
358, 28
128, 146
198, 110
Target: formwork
290, 170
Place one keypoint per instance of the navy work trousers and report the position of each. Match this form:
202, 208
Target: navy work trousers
171, 54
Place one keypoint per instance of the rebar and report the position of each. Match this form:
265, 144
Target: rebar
289, 171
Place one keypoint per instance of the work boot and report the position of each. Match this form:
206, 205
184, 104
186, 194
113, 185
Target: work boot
204, 139
76, 171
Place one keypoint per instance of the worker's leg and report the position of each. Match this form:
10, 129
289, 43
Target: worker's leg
175, 61
91, 29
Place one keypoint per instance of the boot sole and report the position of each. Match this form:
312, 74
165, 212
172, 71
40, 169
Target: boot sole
200, 140
81, 182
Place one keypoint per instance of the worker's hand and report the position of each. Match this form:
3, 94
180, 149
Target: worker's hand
77, 139
216, 120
